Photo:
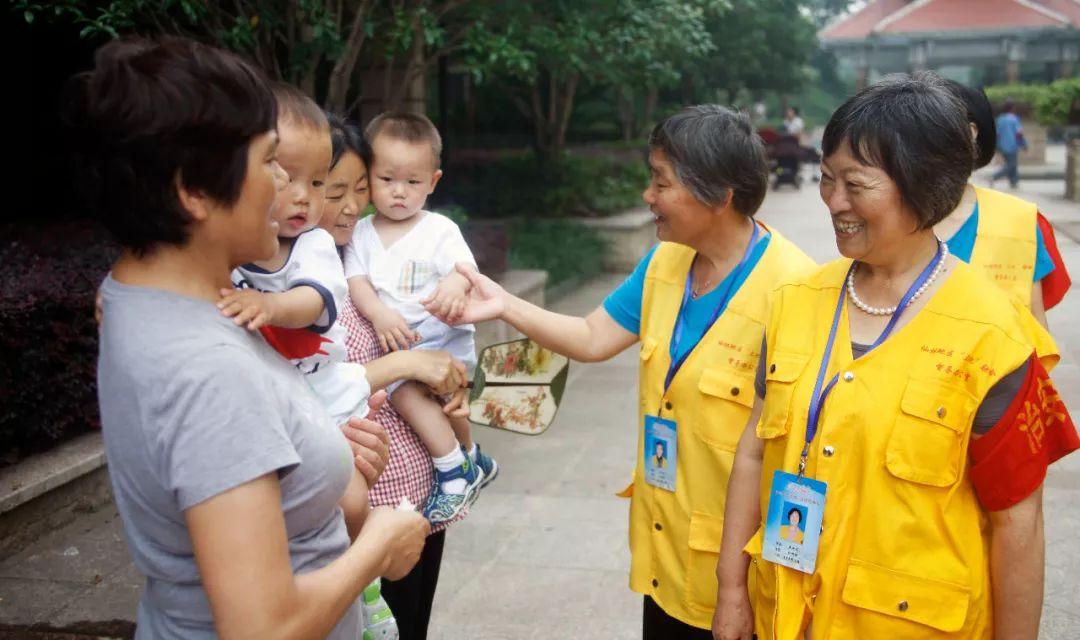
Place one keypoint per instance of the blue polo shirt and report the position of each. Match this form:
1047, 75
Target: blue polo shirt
963, 243
624, 303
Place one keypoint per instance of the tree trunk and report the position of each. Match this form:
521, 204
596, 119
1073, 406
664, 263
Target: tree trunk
688, 89
649, 112
566, 109
342, 73
624, 99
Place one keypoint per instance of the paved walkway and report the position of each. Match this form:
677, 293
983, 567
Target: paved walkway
544, 553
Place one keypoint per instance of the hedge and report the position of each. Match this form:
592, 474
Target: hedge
48, 346
1056, 103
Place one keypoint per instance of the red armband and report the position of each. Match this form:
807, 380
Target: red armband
1057, 282
1010, 461
294, 344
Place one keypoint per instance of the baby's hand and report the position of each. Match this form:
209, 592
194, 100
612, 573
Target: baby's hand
449, 298
247, 307
394, 333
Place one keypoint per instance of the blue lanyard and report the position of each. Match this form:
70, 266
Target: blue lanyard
818, 399
729, 291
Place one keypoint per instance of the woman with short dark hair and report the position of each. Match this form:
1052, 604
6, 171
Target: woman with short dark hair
888, 406
1002, 234
697, 304
225, 468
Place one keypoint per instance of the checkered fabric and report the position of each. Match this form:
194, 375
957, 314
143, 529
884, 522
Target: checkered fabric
409, 472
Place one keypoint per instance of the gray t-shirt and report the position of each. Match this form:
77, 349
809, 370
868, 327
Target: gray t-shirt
192, 406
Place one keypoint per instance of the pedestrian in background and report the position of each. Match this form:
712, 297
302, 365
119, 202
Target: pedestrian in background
1010, 140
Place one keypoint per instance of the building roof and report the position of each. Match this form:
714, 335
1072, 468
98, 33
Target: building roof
923, 16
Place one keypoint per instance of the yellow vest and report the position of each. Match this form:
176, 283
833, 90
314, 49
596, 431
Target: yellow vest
1005, 250
1005, 241
675, 536
904, 550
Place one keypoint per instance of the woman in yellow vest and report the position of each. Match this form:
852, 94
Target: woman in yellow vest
697, 304
900, 404
1000, 233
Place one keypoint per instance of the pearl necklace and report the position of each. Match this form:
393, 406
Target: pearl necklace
888, 311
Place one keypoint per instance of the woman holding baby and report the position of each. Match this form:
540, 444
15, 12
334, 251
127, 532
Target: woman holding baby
226, 470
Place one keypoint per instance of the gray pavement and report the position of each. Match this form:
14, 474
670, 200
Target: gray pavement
544, 553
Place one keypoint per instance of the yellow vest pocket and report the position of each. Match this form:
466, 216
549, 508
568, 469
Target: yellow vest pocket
727, 399
782, 369
704, 542
927, 441
904, 599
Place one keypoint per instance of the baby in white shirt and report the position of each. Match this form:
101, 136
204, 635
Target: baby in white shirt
399, 258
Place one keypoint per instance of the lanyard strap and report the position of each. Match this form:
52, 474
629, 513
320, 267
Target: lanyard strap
729, 291
818, 399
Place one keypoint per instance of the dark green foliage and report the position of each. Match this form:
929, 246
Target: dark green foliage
564, 248
523, 186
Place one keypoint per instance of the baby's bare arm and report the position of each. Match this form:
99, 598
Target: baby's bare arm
365, 297
293, 309
393, 332
450, 297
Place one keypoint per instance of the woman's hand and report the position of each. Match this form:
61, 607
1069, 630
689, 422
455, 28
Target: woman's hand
734, 618
437, 370
486, 301
369, 441
403, 531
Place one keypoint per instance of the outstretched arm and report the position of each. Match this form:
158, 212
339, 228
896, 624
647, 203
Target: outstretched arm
593, 338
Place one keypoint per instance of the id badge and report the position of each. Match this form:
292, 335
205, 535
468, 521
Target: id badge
793, 525
660, 452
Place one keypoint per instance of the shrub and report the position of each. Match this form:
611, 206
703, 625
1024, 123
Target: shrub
48, 348
1024, 95
1059, 102
564, 248
1051, 104
523, 186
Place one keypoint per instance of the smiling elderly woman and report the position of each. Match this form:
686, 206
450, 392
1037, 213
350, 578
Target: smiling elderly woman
697, 303
886, 402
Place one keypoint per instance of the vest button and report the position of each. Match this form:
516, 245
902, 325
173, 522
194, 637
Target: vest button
658, 526
667, 405
903, 606
734, 391
828, 451
772, 368
655, 582
848, 376
941, 411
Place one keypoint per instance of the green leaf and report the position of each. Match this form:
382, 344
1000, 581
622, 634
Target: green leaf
29, 16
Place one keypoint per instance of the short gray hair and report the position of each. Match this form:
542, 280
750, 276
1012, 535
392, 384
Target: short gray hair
714, 151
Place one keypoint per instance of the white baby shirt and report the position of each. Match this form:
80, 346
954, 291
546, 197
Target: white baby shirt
409, 270
318, 351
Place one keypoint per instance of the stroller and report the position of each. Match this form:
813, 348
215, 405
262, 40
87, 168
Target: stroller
786, 157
